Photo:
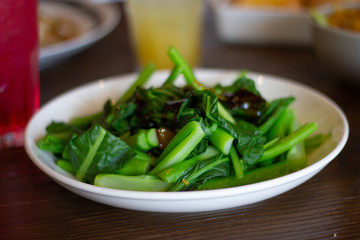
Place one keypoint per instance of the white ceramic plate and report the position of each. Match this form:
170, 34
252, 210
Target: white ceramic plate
94, 20
236, 24
310, 105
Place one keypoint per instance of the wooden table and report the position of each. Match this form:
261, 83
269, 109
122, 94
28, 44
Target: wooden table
32, 206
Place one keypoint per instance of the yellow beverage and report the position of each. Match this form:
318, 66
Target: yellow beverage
158, 24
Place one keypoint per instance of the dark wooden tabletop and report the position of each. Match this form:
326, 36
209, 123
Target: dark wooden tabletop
32, 206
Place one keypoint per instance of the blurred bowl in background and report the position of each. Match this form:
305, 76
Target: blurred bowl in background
338, 48
275, 25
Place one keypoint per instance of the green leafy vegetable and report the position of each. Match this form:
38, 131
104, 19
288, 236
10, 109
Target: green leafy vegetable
183, 138
97, 151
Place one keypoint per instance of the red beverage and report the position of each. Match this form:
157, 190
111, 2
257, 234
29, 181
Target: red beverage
19, 72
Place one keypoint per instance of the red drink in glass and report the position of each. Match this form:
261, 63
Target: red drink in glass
19, 72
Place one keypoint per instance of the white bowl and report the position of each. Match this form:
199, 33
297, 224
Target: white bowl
338, 49
310, 105
245, 25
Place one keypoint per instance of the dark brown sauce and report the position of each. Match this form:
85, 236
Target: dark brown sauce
250, 103
164, 136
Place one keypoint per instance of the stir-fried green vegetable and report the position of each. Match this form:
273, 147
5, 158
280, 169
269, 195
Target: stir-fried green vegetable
173, 138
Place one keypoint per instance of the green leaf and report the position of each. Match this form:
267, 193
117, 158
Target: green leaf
202, 172
97, 151
242, 83
61, 127
251, 148
207, 103
53, 144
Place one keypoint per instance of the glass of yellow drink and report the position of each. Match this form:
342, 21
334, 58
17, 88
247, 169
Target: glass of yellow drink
155, 25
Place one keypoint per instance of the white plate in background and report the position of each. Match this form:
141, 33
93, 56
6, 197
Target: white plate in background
94, 20
310, 105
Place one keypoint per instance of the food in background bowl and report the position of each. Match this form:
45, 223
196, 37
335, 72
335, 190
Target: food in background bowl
284, 3
345, 18
53, 29
267, 3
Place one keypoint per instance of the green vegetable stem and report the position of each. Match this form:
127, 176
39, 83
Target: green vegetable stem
180, 146
138, 165
140, 81
174, 173
290, 141
143, 140
238, 163
134, 183
222, 140
252, 176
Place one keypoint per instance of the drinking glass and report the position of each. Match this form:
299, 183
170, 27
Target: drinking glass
155, 25
19, 74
